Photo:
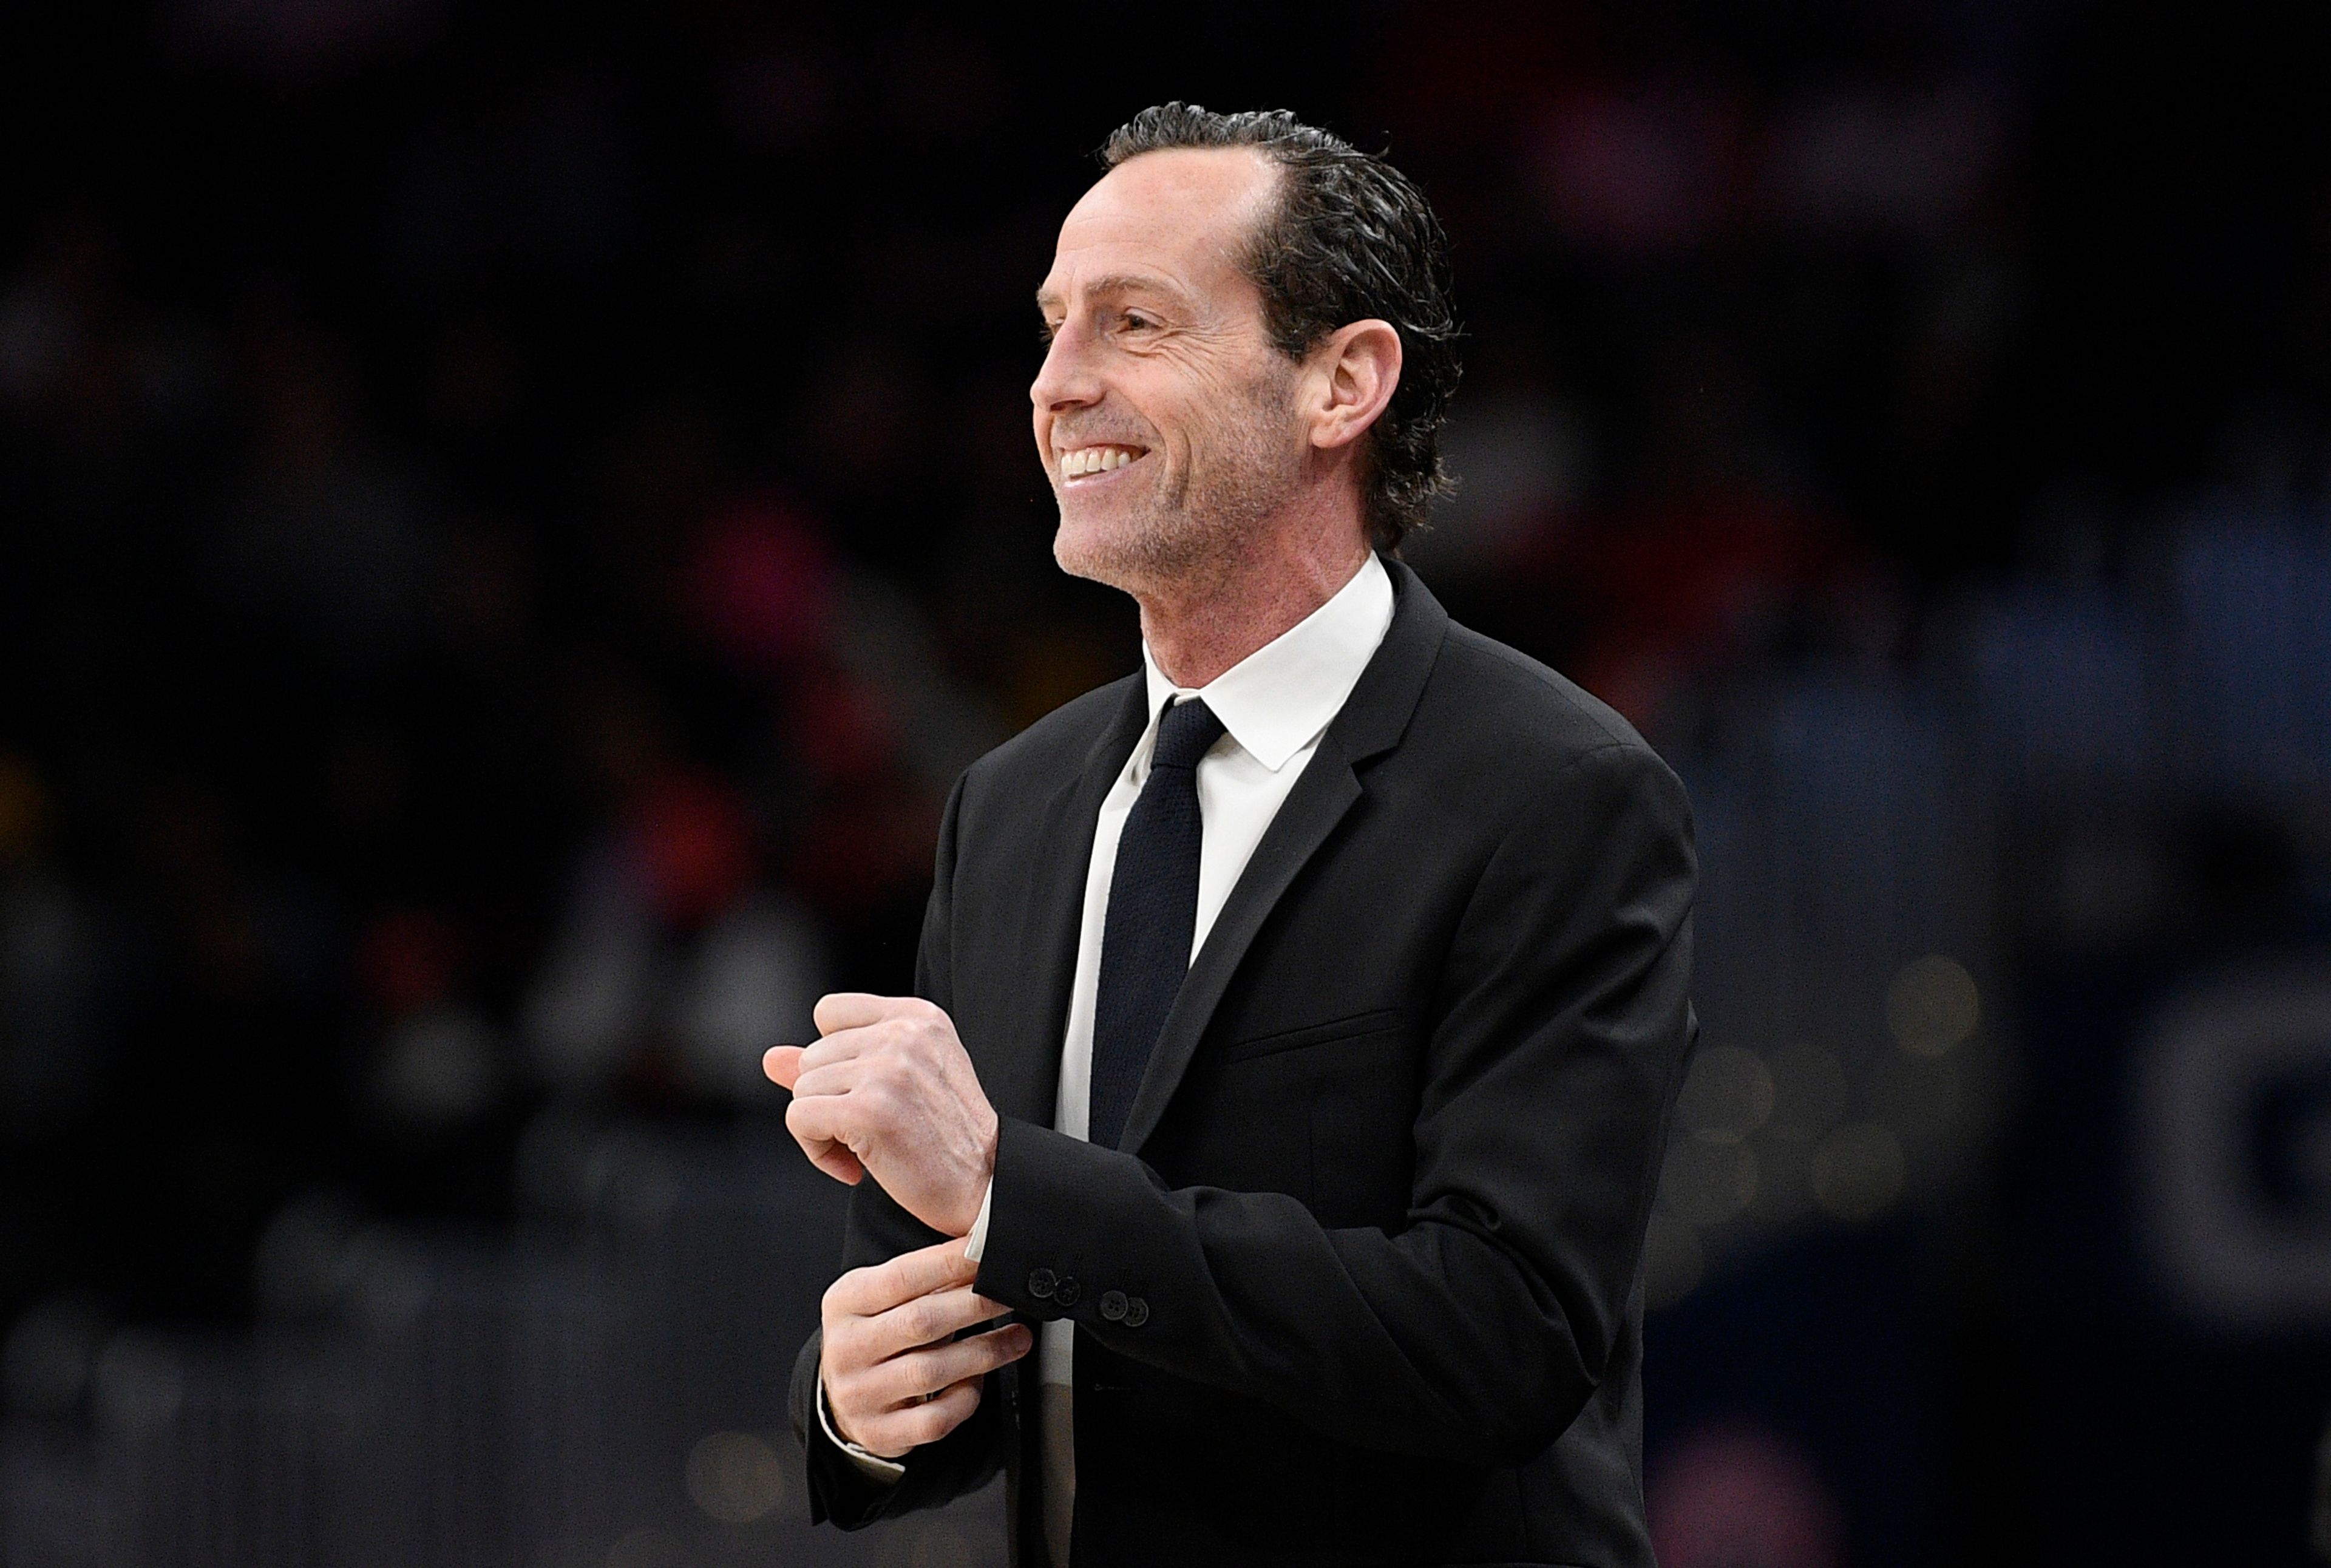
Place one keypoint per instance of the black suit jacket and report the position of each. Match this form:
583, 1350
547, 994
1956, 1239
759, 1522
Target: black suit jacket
1362, 1282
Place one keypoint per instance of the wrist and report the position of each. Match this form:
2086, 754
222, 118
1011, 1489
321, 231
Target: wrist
973, 1200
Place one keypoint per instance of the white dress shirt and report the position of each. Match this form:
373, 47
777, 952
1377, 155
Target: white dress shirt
1274, 704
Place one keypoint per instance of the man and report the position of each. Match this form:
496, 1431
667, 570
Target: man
1300, 1018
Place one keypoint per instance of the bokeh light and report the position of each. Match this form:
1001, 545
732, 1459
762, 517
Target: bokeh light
737, 1477
1932, 1005
1707, 1183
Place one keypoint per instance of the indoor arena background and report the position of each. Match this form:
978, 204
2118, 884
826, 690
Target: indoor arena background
510, 519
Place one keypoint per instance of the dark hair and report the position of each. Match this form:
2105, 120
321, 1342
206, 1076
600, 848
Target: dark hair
1351, 238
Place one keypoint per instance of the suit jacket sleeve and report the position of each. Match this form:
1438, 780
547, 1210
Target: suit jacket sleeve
878, 1230
1476, 1332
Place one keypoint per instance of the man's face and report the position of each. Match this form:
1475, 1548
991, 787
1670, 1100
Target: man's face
1165, 418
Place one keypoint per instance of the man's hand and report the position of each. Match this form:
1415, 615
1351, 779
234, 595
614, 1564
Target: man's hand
894, 1379
889, 1089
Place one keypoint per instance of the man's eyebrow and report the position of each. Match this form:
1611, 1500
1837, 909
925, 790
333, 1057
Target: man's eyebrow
1113, 284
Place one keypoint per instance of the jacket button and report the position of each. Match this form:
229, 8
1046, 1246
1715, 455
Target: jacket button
1041, 1283
1136, 1312
1112, 1305
1066, 1290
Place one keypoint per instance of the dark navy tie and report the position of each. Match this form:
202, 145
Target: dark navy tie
1152, 913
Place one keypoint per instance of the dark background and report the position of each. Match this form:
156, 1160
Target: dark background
511, 519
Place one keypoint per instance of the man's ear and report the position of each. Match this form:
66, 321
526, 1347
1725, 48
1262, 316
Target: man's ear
1353, 374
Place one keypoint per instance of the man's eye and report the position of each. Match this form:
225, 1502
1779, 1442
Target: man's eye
1137, 322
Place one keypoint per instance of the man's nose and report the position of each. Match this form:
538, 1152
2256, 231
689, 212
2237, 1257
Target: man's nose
1066, 379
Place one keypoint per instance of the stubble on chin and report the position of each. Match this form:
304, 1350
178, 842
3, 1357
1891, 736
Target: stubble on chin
1195, 532
1141, 551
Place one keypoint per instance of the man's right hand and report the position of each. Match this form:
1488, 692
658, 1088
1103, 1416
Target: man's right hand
895, 1378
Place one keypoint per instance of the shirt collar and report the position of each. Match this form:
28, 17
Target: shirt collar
1277, 700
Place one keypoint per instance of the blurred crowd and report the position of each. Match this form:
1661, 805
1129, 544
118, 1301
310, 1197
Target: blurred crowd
510, 523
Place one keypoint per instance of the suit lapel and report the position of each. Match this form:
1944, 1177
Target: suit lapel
1024, 1078
1372, 721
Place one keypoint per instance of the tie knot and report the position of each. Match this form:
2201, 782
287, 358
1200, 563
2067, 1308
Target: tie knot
1184, 733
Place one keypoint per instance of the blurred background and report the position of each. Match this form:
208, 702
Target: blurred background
511, 519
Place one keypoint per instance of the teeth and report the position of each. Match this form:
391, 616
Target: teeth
1093, 459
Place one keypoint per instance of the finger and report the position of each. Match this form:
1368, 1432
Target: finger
927, 1320
877, 1288
895, 1433
828, 1076
839, 1045
935, 1367
836, 1161
852, 1009
782, 1063
811, 1122
824, 1118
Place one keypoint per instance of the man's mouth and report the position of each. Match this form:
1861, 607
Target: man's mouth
1087, 462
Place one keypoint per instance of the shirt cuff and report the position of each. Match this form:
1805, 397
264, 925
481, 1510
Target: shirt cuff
974, 1244
873, 1465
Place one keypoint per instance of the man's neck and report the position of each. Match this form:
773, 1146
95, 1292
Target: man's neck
1196, 629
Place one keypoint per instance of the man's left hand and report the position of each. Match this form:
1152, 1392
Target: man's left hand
890, 1090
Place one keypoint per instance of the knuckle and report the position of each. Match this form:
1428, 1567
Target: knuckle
835, 1302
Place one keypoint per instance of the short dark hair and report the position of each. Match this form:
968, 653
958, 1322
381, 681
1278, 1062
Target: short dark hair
1351, 238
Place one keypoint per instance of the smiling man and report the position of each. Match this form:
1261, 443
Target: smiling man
1299, 1017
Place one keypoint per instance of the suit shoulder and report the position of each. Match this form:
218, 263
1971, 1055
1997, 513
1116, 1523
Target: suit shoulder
1513, 730
1521, 703
1055, 745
